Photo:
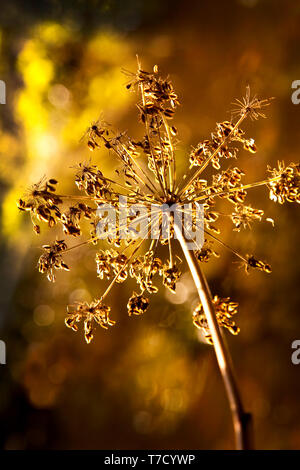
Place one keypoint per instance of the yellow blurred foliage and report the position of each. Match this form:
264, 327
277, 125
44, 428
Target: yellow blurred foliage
52, 115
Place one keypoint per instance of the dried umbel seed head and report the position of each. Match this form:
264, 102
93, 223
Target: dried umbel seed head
199, 153
251, 107
252, 262
224, 309
206, 252
250, 146
228, 179
119, 264
284, 183
94, 132
243, 216
91, 180
171, 276
146, 176
103, 261
144, 269
137, 304
42, 203
95, 313
155, 266
52, 259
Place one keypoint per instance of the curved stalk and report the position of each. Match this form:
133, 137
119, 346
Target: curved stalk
242, 421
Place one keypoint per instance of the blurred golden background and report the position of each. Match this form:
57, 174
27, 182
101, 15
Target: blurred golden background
148, 382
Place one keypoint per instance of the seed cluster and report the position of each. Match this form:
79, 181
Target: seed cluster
146, 175
52, 258
284, 183
224, 309
91, 314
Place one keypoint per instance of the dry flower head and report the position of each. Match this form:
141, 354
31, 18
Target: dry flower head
147, 175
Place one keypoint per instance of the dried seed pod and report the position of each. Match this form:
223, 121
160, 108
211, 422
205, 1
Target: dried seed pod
137, 304
94, 313
252, 262
52, 259
284, 183
170, 277
225, 309
206, 252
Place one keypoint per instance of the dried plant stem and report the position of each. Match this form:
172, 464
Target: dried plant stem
241, 420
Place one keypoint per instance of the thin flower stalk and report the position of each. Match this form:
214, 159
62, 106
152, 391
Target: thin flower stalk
241, 420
